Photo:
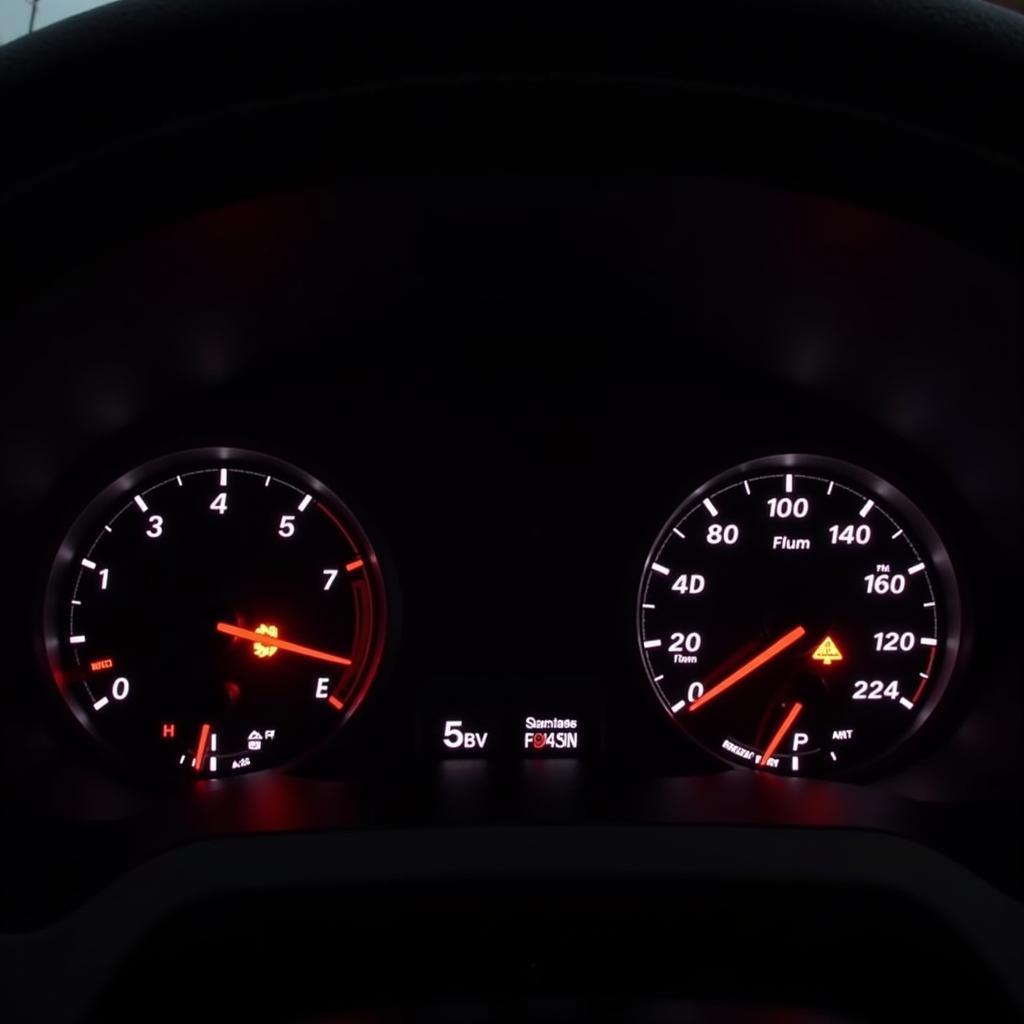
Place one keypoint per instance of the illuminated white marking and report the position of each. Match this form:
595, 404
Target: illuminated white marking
180, 481
76, 602
928, 604
929, 641
108, 529
213, 741
266, 483
832, 754
898, 533
679, 705
649, 607
304, 504
796, 764
746, 486
868, 506
101, 704
140, 501
710, 506
789, 483
76, 640
906, 703
648, 644
831, 484
181, 760
88, 564
679, 533
915, 568
658, 679
659, 568
923, 675
223, 477
212, 764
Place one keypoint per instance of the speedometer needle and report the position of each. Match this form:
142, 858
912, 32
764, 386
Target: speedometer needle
780, 735
280, 644
744, 670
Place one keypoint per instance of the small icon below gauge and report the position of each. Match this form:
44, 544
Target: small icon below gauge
214, 613
799, 615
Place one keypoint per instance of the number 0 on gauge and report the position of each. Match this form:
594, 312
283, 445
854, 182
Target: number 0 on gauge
799, 615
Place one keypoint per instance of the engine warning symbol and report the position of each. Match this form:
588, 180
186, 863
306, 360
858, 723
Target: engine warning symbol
826, 652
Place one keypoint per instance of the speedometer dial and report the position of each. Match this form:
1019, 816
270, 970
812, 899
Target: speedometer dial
214, 613
800, 615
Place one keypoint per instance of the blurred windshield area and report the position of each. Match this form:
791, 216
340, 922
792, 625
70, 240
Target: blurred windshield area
19, 17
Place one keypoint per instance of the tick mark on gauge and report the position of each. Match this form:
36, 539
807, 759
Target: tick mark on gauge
679, 705
914, 569
658, 679
352, 566
746, 486
181, 483
906, 703
679, 533
710, 506
649, 607
831, 484
223, 477
649, 644
789, 483
266, 483
141, 502
867, 507
928, 604
76, 603
88, 563
108, 529
659, 569
898, 533
101, 704
335, 703
76, 640
929, 641
304, 504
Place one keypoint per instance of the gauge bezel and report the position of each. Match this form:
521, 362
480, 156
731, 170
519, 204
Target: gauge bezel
90, 518
947, 582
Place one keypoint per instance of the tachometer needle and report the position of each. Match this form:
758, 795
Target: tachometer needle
280, 644
779, 736
204, 736
744, 670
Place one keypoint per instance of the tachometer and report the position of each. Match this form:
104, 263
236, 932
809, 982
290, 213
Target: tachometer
215, 612
798, 614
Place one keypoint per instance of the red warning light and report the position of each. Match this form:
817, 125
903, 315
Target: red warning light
167, 732
99, 666
539, 741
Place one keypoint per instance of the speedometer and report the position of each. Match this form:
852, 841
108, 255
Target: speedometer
798, 614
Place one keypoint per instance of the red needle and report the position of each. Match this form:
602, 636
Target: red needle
755, 663
283, 645
781, 734
204, 736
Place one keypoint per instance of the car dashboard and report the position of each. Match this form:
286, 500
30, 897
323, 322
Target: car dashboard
546, 574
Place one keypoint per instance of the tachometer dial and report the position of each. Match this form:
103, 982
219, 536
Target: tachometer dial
800, 615
213, 613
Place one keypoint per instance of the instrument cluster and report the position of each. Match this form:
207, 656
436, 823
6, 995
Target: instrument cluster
219, 611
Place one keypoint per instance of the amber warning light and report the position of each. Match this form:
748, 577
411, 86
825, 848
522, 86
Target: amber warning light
826, 652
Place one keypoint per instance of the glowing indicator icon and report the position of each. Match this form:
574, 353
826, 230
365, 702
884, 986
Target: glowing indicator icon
264, 650
168, 730
99, 666
826, 652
